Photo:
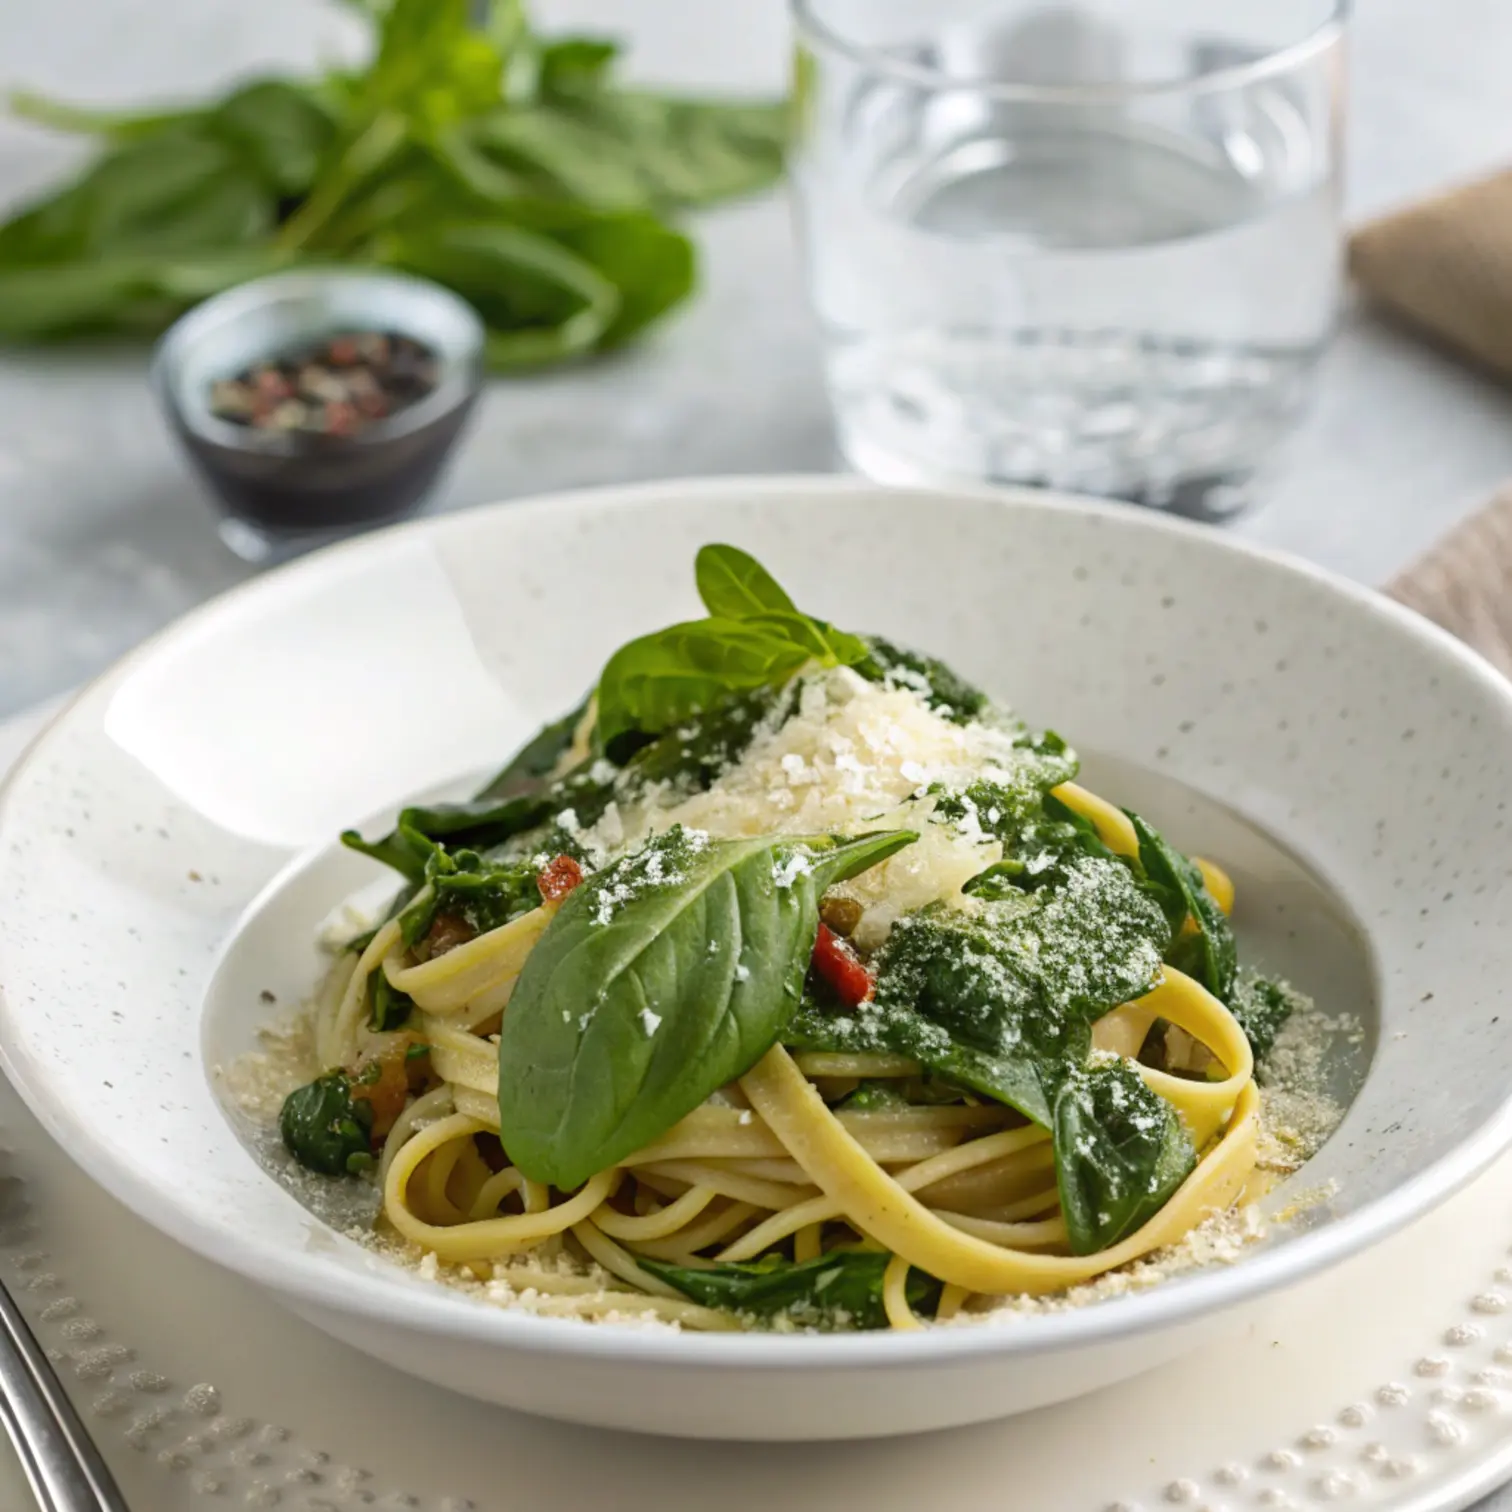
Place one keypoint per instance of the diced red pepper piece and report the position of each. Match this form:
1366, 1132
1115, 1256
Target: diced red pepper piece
558, 877
838, 964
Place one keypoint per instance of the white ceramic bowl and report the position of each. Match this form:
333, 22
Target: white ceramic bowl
1346, 758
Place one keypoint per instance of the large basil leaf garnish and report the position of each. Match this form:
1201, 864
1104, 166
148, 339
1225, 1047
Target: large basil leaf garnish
664, 976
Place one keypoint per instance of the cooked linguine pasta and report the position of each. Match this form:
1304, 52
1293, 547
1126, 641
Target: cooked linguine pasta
790, 979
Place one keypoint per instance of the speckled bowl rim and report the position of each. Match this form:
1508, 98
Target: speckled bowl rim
305, 1277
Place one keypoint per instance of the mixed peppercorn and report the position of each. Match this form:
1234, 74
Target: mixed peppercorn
336, 387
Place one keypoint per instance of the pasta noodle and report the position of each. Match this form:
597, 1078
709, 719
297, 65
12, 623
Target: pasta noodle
838, 1163
1022, 1056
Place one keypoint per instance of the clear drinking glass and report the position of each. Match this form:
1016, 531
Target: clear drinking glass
1090, 247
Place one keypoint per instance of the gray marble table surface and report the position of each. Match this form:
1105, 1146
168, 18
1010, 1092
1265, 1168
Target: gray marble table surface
104, 536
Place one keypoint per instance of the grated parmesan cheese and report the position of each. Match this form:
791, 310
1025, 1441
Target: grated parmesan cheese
854, 756
1297, 1112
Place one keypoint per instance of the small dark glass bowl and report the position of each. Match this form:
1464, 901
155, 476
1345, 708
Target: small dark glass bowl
281, 493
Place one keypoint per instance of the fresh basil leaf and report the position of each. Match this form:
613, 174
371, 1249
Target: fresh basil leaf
733, 584
281, 129
178, 192
557, 155
134, 294
467, 150
184, 280
325, 1129
1120, 1152
432, 64
842, 1289
388, 1008
628, 150
482, 891
662, 977
829, 646
375, 143
498, 185
947, 999
1207, 954
541, 301
660, 680
404, 848
83, 120
1084, 833
1263, 1005
375, 217
575, 65
944, 689
1001, 999
483, 824
1017, 808
692, 757
874, 1095
995, 883
437, 157
528, 768
477, 822
687, 152
652, 267
1044, 849
46, 233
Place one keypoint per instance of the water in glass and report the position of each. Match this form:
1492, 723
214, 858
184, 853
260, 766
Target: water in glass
1118, 298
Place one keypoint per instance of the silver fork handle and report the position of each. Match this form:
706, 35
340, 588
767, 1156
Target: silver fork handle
62, 1465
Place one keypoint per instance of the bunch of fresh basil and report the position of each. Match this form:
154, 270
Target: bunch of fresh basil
505, 165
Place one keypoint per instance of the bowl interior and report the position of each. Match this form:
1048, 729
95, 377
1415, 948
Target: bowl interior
1288, 922
1344, 757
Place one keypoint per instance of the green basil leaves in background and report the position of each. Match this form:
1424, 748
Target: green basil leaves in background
509, 167
663, 977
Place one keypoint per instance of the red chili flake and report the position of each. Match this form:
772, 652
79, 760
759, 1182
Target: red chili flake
558, 877
839, 966
341, 419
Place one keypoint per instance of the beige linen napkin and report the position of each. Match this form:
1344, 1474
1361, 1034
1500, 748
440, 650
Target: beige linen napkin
1464, 583
1445, 268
